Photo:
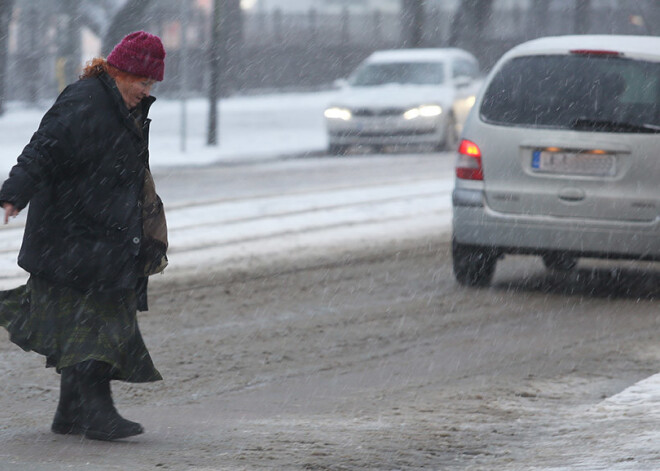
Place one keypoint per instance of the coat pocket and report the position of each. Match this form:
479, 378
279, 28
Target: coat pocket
93, 260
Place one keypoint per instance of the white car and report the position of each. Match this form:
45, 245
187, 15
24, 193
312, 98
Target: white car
404, 97
560, 156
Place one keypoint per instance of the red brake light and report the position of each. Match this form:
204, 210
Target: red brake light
468, 164
469, 148
595, 52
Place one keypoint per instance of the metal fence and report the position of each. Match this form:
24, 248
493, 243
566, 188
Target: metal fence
308, 50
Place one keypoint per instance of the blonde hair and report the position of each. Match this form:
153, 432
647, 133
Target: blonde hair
99, 65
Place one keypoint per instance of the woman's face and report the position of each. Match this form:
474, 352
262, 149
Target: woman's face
133, 91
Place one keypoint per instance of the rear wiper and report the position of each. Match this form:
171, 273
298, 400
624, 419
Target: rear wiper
613, 126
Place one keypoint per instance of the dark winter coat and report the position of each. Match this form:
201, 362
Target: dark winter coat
83, 174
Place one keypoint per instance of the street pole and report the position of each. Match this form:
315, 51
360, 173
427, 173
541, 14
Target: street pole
215, 49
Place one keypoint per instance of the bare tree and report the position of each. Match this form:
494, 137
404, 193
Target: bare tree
131, 17
581, 18
652, 17
539, 13
469, 25
224, 56
412, 22
231, 36
97, 14
6, 9
70, 43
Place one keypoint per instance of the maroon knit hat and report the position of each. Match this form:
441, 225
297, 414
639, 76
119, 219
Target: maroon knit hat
140, 54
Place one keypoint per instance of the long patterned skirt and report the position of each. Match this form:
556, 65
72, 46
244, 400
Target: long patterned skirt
69, 326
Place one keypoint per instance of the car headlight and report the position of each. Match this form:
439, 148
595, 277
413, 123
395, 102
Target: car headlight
338, 113
424, 111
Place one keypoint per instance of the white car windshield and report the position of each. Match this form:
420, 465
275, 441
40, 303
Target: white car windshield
414, 73
606, 94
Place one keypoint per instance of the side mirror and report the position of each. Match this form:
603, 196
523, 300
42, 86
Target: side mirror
462, 81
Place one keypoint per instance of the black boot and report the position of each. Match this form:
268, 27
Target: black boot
67, 415
100, 419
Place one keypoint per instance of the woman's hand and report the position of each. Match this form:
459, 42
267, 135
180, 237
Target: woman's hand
10, 211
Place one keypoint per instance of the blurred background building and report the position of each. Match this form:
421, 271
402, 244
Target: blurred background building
282, 44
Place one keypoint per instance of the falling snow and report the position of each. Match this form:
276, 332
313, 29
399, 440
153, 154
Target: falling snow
295, 335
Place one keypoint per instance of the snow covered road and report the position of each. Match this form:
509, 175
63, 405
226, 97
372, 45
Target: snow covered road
218, 225
248, 202
212, 232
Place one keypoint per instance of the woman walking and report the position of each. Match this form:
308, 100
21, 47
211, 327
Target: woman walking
95, 231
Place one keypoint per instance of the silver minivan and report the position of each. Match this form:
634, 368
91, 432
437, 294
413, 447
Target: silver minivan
560, 156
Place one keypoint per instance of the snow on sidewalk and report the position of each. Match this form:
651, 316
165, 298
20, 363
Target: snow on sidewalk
620, 433
251, 128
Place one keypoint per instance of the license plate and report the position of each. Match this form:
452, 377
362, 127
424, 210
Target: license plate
574, 163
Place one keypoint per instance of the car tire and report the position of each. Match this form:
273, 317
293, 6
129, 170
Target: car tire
559, 261
473, 265
337, 149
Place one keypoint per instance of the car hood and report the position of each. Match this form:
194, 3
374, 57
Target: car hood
393, 95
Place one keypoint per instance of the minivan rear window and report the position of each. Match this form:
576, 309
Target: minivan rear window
599, 93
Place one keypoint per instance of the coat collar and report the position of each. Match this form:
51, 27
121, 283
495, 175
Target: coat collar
128, 121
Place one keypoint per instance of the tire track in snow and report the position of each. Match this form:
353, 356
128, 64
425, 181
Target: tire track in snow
243, 221
253, 223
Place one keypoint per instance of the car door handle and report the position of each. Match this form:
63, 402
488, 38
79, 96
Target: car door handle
571, 194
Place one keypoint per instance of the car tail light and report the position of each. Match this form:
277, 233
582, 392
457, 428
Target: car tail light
468, 164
